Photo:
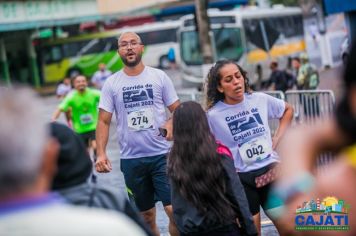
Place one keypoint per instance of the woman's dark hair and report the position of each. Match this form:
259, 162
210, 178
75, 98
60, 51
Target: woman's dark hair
194, 166
214, 78
345, 119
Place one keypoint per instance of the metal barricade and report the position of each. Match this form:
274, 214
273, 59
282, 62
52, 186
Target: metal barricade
190, 95
311, 104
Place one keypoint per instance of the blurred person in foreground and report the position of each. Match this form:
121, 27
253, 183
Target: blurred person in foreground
27, 165
208, 198
300, 181
74, 179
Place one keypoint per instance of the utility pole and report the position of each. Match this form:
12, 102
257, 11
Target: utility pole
203, 28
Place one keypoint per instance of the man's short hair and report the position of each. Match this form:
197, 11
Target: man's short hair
274, 64
129, 32
296, 59
23, 136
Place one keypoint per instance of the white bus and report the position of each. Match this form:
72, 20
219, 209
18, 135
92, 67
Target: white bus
159, 38
63, 57
252, 37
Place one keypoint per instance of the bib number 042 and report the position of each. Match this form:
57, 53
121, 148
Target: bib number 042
250, 152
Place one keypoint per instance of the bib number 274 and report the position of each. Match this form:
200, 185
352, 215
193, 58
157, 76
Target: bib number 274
139, 120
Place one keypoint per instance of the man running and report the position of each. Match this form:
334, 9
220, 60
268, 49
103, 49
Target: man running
138, 95
83, 102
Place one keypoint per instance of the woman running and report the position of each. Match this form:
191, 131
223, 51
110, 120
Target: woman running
239, 118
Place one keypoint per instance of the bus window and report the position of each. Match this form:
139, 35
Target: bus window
253, 32
93, 46
53, 54
71, 49
190, 48
157, 37
227, 43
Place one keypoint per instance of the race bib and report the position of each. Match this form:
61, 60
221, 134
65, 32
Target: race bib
255, 150
86, 119
140, 120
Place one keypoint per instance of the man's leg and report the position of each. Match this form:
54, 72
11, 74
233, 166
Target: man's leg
141, 191
162, 189
172, 226
150, 218
252, 195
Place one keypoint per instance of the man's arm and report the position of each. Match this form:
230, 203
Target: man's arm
56, 114
169, 124
103, 164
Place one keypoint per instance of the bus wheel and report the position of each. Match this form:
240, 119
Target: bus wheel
164, 62
73, 73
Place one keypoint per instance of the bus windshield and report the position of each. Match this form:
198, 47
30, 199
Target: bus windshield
227, 43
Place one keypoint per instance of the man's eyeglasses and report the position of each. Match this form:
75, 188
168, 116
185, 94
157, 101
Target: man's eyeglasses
125, 45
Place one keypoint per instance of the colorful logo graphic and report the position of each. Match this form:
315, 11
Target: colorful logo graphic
327, 214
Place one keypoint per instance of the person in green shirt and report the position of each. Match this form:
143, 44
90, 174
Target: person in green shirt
83, 102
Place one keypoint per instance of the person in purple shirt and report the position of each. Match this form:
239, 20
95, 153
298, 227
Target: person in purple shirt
139, 96
238, 118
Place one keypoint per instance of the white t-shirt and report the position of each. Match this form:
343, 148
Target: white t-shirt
100, 77
139, 103
63, 89
243, 128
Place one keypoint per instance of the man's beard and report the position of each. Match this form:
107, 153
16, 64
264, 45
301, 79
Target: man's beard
133, 63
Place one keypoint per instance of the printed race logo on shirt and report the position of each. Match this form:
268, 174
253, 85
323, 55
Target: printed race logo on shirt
249, 132
138, 100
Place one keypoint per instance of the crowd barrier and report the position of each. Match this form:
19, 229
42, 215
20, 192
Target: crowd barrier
311, 104
308, 105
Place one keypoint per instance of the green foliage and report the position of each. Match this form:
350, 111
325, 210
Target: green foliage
285, 2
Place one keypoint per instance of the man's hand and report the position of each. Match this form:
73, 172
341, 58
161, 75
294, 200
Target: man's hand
169, 127
103, 164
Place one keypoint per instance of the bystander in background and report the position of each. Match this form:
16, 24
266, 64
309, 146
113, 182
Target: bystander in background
280, 79
100, 76
64, 88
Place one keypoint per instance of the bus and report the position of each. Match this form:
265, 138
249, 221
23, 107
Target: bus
67, 57
251, 36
